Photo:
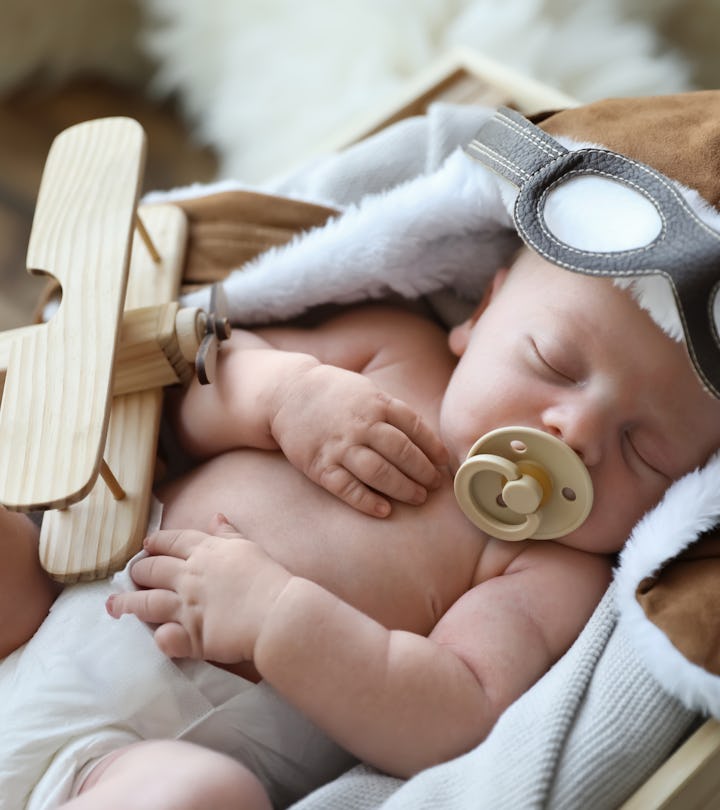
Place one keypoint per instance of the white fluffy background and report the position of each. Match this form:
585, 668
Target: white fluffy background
267, 82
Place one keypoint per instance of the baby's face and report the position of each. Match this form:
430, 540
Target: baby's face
575, 356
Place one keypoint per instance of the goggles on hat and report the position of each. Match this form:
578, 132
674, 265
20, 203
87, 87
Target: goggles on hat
653, 231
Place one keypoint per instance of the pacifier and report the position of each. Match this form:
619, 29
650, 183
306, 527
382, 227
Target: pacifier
518, 483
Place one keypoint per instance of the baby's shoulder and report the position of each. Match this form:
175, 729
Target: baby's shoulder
534, 607
547, 576
561, 588
405, 344
395, 320
560, 564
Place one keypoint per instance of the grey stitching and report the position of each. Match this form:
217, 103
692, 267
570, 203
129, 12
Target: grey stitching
710, 305
500, 159
699, 371
552, 238
529, 135
681, 201
674, 191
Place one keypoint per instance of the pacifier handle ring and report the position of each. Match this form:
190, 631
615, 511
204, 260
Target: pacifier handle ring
520, 483
488, 462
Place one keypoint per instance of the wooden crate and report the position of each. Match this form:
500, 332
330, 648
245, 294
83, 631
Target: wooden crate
461, 77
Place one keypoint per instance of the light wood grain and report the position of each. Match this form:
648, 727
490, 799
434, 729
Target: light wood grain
157, 347
688, 780
97, 535
142, 361
56, 395
57, 429
462, 76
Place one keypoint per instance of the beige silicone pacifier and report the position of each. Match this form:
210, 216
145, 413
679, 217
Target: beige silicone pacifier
518, 483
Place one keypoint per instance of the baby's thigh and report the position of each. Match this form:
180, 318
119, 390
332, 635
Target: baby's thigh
169, 775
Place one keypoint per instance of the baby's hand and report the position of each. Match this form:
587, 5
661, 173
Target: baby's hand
356, 441
209, 593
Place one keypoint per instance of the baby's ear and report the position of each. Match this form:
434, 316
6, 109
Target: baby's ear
459, 336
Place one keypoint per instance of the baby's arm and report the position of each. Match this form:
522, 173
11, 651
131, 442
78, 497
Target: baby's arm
301, 391
26, 591
395, 699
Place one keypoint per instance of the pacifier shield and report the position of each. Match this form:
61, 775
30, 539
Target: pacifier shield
518, 483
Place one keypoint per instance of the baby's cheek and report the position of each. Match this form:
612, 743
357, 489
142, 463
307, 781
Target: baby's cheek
616, 510
458, 436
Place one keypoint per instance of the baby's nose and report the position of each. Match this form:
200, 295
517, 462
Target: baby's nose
581, 426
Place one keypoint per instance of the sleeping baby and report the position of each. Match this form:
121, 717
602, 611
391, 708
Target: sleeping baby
314, 595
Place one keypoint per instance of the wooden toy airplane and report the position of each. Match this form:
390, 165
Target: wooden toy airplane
82, 393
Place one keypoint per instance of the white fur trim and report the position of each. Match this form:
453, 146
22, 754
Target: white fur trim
265, 84
450, 228
655, 295
690, 507
445, 229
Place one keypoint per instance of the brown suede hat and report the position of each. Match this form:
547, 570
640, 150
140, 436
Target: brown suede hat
679, 135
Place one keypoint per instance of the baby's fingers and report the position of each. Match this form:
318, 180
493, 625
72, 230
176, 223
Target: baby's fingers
404, 455
347, 487
174, 640
154, 606
377, 471
158, 607
406, 420
174, 542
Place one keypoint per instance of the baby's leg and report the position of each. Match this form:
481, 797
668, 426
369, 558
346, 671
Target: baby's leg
26, 591
170, 775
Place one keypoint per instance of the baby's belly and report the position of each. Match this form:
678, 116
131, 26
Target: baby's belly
405, 570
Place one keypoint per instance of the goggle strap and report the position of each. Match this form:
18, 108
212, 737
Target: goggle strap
513, 147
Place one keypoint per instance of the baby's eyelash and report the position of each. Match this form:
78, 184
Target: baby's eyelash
549, 366
642, 458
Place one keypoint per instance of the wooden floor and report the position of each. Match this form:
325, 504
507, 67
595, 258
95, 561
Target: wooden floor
28, 123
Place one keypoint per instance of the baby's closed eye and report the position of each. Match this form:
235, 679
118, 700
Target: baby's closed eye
639, 450
552, 361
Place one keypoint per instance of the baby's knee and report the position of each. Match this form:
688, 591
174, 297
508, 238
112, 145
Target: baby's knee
171, 774
222, 782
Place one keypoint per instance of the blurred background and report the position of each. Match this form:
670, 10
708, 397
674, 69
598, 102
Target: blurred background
247, 89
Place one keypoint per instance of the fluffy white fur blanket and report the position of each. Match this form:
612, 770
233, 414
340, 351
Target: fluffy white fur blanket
269, 84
